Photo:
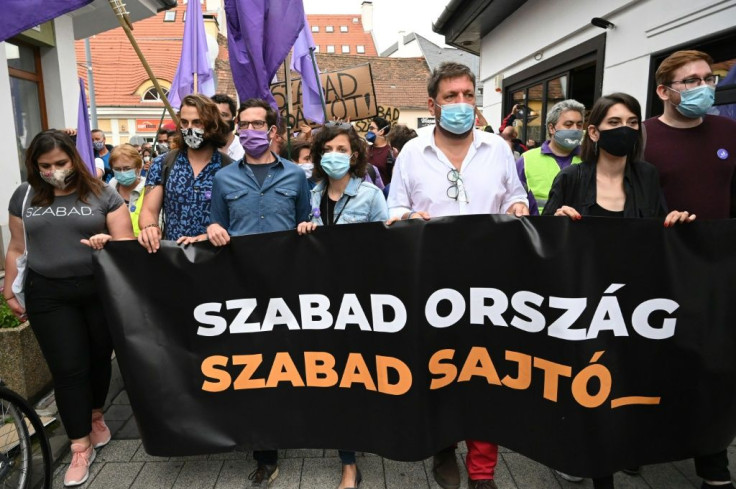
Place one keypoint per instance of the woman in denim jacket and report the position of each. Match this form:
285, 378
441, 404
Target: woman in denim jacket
342, 197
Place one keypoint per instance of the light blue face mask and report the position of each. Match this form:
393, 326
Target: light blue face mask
457, 118
335, 164
125, 178
694, 103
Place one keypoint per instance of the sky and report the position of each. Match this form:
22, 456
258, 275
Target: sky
389, 17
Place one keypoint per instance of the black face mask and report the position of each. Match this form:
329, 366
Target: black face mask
620, 141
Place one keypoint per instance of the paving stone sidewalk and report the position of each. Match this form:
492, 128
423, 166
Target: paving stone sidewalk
124, 464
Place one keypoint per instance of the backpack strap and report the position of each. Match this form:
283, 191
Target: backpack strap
168, 164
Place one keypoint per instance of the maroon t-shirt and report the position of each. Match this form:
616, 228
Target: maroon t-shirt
696, 165
379, 157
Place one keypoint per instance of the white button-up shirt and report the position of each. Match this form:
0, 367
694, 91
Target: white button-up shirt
420, 180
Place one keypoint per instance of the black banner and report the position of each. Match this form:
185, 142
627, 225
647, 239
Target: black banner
588, 346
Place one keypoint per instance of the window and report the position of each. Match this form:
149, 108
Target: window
151, 95
330, 48
355, 20
315, 28
345, 49
26, 93
343, 28
316, 48
170, 16
360, 49
576, 73
329, 28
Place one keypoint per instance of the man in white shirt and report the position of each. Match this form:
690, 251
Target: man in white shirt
455, 170
226, 106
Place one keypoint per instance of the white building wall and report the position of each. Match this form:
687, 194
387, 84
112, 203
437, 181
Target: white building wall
9, 165
541, 29
61, 85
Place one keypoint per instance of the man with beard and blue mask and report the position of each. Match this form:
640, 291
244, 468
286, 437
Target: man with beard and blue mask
695, 153
538, 167
179, 182
263, 193
453, 170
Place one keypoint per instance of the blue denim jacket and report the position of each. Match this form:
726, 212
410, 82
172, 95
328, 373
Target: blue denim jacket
366, 204
242, 206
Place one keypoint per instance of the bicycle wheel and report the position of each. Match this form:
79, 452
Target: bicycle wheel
25, 459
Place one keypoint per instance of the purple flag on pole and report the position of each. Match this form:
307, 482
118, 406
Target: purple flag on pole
19, 15
301, 62
260, 34
194, 59
84, 135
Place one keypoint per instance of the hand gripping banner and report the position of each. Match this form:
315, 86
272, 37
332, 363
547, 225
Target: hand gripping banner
588, 346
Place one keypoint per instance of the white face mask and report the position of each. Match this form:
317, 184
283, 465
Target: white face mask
193, 137
58, 178
307, 167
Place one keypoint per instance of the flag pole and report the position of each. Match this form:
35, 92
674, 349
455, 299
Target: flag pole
289, 105
319, 82
124, 20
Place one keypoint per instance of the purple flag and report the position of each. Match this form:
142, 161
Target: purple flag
19, 15
260, 33
84, 135
301, 62
194, 59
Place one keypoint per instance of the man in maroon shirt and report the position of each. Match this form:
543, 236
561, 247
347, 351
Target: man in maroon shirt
379, 154
695, 154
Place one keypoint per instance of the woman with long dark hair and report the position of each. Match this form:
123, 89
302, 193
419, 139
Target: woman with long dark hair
612, 180
56, 217
342, 197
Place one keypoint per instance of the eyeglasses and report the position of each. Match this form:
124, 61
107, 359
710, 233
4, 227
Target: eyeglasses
253, 124
457, 189
695, 81
339, 125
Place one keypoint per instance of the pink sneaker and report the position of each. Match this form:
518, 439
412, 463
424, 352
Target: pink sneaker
78, 470
100, 434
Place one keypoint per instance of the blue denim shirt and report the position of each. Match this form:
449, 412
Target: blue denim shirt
186, 197
242, 206
366, 204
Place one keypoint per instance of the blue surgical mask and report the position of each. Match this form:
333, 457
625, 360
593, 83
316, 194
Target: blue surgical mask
370, 136
457, 118
335, 164
694, 103
125, 178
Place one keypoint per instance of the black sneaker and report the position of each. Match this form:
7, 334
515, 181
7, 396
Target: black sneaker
482, 484
263, 476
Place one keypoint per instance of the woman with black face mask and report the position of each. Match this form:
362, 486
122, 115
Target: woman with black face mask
612, 181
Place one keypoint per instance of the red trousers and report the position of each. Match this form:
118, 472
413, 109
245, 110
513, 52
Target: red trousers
481, 459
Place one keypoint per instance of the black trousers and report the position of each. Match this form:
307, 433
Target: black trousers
67, 318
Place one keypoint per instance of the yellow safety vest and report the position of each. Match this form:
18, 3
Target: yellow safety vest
135, 212
540, 171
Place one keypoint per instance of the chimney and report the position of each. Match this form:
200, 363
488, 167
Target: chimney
366, 13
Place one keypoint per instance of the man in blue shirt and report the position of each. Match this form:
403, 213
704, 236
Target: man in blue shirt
263, 192
181, 182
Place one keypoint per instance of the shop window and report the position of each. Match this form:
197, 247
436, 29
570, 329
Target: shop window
26, 93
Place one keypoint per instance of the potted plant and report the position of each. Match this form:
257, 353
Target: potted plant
22, 365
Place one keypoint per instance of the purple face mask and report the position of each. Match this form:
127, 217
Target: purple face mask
254, 142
